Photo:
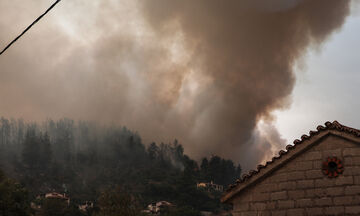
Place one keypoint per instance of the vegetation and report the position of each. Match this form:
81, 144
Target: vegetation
83, 159
114, 202
13, 198
57, 207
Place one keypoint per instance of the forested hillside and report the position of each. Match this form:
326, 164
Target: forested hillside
83, 159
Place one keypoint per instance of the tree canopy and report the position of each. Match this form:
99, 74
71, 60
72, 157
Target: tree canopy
13, 198
81, 159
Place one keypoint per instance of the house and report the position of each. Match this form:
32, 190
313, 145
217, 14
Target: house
38, 202
210, 186
318, 175
35, 206
54, 195
157, 207
86, 205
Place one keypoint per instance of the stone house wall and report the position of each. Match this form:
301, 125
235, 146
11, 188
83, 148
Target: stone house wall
300, 187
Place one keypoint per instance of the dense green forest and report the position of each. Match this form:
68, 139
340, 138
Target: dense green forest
84, 159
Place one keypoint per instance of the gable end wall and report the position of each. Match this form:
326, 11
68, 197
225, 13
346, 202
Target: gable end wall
300, 188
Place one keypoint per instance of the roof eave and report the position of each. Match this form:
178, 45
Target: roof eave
292, 151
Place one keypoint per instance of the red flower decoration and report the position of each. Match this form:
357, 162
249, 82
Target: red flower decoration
332, 167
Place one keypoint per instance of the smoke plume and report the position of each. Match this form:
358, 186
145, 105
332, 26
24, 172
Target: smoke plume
204, 72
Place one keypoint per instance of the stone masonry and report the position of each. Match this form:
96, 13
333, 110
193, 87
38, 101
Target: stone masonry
299, 187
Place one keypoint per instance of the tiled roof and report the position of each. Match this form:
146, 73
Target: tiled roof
289, 148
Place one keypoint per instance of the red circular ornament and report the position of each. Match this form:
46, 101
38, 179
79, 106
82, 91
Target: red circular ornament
332, 167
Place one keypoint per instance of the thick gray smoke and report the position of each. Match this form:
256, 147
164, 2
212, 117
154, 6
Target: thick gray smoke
204, 72
248, 49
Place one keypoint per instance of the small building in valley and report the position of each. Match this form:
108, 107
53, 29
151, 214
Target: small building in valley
86, 206
318, 175
39, 201
210, 186
59, 196
157, 207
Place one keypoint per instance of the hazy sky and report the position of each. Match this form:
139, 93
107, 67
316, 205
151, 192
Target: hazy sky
240, 79
327, 86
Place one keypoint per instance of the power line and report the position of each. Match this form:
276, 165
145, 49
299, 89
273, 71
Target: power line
29, 27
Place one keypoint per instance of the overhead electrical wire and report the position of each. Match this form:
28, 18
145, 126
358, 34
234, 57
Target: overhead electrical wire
29, 27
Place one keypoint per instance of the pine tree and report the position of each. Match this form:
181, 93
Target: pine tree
153, 151
30, 151
45, 153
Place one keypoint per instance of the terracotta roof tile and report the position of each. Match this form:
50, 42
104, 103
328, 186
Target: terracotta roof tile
328, 126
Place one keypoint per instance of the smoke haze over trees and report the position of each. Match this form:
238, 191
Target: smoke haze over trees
205, 72
83, 159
